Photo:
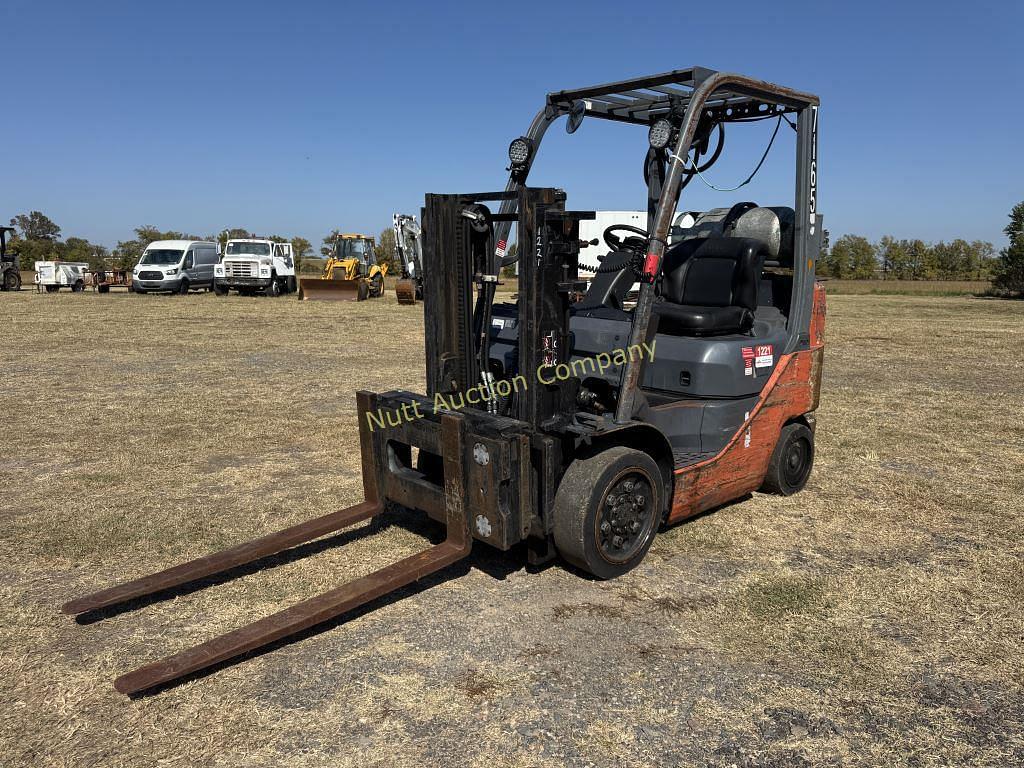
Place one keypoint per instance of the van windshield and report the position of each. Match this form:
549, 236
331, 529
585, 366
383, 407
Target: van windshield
161, 256
255, 249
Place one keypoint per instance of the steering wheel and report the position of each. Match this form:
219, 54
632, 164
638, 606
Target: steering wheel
615, 243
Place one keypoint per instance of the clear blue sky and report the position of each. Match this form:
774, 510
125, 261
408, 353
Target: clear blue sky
297, 117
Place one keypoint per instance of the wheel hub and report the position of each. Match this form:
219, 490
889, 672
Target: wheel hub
625, 516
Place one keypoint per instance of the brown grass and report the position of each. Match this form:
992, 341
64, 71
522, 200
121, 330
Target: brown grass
873, 619
908, 287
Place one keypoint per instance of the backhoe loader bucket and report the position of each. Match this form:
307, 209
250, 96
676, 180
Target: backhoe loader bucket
318, 289
315, 610
405, 289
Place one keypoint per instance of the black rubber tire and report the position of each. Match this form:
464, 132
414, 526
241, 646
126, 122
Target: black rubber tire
292, 285
52, 288
377, 286
183, 287
77, 287
362, 291
273, 289
791, 461
103, 288
220, 290
12, 280
583, 495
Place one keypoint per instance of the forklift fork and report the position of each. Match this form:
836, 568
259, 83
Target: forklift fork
315, 610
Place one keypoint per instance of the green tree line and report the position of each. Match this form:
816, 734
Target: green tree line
853, 257
856, 258
38, 238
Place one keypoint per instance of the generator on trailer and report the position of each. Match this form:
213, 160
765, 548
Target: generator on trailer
579, 429
409, 245
51, 276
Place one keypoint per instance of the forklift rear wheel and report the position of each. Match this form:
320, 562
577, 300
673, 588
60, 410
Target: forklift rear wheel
791, 461
607, 511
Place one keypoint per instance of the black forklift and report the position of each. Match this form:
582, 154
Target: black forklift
10, 274
579, 427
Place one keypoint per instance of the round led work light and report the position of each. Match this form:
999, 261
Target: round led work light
660, 133
519, 152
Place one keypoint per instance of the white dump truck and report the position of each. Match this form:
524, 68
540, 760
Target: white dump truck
253, 265
51, 276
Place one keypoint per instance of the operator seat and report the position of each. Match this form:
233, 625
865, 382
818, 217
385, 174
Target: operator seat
709, 286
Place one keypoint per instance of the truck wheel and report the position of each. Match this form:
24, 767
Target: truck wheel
77, 287
183, 287
220, 290
273, 289
12, 280
791, 461
607, 510
52, 288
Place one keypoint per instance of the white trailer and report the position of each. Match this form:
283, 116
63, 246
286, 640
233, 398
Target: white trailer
54, 275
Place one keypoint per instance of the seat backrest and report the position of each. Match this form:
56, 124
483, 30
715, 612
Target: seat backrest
714, 272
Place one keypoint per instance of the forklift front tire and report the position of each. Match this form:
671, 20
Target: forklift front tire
791, 461
607, 510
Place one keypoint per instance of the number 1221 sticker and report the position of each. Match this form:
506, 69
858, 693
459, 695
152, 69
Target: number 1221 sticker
764, 356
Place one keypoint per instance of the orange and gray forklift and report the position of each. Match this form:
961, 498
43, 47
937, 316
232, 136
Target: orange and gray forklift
580, 427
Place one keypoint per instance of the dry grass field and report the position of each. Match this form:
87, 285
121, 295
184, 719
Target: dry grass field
874, 619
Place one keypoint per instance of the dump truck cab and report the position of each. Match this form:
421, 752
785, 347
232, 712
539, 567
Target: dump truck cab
255, 265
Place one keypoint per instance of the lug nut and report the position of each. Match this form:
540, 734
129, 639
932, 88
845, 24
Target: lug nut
605, 527
617, 541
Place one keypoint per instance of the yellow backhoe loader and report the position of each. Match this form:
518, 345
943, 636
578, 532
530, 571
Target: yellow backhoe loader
350, 274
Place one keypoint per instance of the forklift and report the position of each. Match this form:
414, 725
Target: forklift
10, 275
579, 428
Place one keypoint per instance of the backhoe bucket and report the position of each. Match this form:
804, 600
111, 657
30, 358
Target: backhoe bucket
405, 289
315, 610
317, 289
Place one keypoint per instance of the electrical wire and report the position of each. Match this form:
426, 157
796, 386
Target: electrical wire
692, 168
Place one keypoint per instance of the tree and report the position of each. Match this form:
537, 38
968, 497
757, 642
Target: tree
234, 233
852, 257
36, 226
301, 246
327, 249
387, 252
1009, 271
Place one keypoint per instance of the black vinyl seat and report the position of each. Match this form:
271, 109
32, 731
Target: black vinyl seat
709, 286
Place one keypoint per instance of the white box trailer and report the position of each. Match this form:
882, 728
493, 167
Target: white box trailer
54, 275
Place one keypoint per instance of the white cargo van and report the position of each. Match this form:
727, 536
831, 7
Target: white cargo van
175, 266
